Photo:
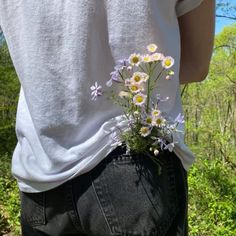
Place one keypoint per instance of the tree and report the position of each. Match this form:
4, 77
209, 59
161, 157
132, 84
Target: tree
210, 106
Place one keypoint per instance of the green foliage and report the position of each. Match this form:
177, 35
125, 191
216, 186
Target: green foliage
212, 198
9, 89
210, 130
9, 199
212, 122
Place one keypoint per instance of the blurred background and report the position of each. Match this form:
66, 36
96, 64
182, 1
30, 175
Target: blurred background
210, 113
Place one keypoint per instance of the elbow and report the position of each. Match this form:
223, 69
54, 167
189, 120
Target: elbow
201, 73
194, 72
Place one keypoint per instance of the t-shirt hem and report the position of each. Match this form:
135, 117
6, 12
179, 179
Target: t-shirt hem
186, 6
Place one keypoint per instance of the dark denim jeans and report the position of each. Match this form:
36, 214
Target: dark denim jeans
122, 195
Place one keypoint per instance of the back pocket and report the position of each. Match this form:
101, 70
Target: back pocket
134, 198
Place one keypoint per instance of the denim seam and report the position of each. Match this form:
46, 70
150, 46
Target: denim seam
72, 208
158, 230
101, 208
108, 207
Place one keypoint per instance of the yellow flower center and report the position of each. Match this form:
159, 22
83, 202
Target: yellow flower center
134, 88
135, 59
168, 62
158, 121
149, 120
156, 112
144, 130
156, 56
152, 47
139, 99
137, 78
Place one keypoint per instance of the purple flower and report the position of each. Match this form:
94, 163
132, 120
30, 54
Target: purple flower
170, 146
179, 119
159, 141
123, 62
109, 83
115, 75
162, 143
96, 91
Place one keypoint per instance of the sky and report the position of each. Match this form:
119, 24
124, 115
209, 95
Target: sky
221, 22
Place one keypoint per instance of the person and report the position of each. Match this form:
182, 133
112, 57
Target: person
72, 180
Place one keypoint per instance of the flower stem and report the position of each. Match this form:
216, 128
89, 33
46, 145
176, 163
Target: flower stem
148, 89
159, 74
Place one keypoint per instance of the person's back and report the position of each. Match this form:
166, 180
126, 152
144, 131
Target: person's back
59, 49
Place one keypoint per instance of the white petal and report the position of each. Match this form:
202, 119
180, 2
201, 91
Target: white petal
109, 83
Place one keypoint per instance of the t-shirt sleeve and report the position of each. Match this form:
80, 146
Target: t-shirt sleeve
185, 6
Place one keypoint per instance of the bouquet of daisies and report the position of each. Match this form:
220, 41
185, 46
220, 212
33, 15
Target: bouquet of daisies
150, 131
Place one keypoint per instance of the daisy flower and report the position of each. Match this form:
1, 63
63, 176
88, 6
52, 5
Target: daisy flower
135, 88
145, 76
148, 120
139, 77
146, 58
168, 62
157, 56
145, 131
139, 99
152, 47
156, 112
135, 59
158, 121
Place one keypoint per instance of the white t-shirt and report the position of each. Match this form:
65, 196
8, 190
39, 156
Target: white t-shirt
59, 49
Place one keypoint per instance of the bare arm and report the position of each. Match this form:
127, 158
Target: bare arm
197, 37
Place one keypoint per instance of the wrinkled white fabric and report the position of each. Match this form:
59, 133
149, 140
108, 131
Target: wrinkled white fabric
59, 49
